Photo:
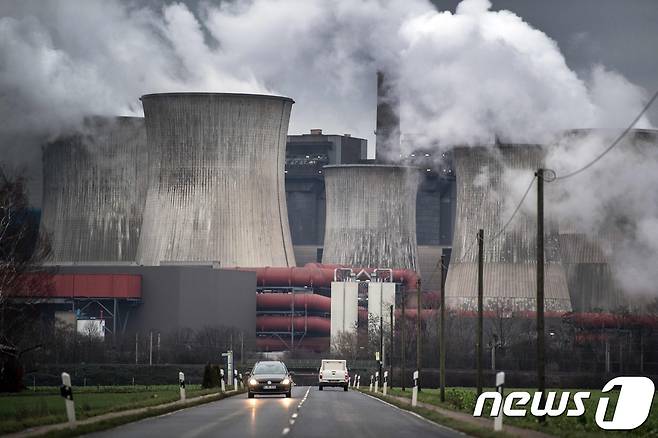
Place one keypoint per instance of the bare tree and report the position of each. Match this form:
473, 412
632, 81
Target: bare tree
21, 282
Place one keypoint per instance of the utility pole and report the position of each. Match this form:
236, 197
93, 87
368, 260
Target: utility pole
478, 349
419, 341
403, 345
136, 347
150, 348
390, 353
442, 333
381, 342
541, 377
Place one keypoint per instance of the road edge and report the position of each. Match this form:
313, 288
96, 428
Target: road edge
113, 419
452, 423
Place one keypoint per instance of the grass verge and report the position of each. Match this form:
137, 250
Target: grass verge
463, 400
45, 406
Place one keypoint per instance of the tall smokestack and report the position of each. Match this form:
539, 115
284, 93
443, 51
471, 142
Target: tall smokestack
388, 121
371, 216
94, 190
216, 180
510, 259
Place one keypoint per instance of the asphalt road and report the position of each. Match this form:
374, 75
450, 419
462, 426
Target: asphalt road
309, 413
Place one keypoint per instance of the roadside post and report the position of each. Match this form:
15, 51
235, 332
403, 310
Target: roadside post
235, 383
221, 380
500, 384
181, 382
371, 382
358, 381
241, 383
229, 366
376, 381
414, 391
385, 382
349, 381
67, 392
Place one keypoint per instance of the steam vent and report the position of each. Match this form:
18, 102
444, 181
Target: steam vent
216, 180
371, 216
93, 192
510, 259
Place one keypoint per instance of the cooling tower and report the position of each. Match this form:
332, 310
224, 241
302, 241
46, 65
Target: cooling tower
589, 253
216, 180
371, 216
93, 191
509, 259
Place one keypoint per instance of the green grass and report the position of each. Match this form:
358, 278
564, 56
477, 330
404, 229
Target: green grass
46, 406
463, 399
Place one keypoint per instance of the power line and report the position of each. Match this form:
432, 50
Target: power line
516, 210
614, 143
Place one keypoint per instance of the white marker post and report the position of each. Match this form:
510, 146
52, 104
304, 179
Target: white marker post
358, 381
414, 391
221, 380
371, 379
500, 383
240, 381
181, 382
376, 381
385, 382
67, 392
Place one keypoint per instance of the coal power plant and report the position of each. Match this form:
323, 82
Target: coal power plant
216, 191
181, 220
93, 191
509, 256
371, 216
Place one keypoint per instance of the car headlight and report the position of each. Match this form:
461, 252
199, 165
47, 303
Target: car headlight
285, 381
253, 382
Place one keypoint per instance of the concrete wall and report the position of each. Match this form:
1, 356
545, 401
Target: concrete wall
344, 308
509, 260
94, 190
371, 216
216, 180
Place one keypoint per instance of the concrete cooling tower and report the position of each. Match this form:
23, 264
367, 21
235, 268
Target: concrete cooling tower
93, 191
588, 254
509, 260
216, 180
371, 216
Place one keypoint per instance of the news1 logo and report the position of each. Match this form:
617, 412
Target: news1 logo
632, 410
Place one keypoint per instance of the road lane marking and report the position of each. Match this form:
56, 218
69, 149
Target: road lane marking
415, 415
295, 415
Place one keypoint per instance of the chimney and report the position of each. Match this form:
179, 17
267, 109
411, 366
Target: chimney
387, 133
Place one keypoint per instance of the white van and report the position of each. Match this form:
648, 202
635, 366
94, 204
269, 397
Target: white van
333, 372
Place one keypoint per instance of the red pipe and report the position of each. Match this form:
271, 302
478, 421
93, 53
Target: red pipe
318, 275
283, 301
315, 324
